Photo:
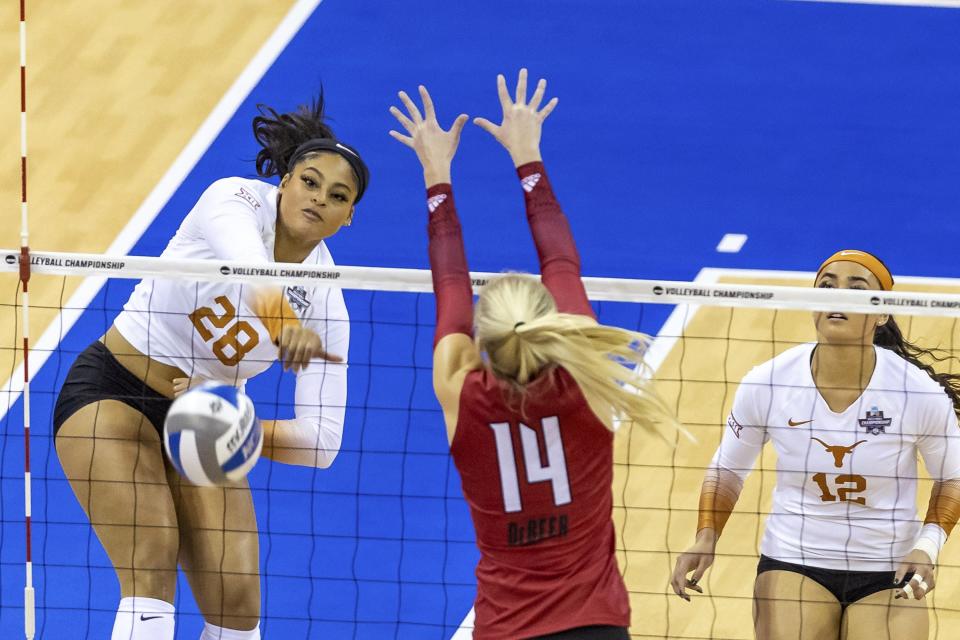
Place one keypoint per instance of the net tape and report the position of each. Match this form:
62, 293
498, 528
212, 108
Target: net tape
419, 280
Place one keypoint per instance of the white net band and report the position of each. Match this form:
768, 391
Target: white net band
418, 280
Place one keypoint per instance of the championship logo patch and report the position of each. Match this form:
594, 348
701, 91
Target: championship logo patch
735, 426
875, 423
297, 296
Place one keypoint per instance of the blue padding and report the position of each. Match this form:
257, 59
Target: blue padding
226, 392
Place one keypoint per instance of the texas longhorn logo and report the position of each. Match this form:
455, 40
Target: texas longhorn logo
875, 423
838, 452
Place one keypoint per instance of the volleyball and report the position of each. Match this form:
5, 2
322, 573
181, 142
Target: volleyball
212, 436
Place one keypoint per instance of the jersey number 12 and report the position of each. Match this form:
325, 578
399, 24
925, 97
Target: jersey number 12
555, 470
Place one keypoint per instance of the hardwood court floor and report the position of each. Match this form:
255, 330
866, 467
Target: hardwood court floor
115, 90
657, 493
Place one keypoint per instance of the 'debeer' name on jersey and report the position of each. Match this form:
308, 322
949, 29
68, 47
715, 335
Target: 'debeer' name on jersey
534, 530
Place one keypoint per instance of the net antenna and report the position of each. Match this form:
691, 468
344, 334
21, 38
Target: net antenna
29, 609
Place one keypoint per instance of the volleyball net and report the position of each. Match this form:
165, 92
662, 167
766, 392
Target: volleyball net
381, 545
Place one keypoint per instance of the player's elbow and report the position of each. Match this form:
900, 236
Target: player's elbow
316, 443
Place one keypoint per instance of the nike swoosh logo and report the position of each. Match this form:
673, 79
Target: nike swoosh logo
797, 424
144, 618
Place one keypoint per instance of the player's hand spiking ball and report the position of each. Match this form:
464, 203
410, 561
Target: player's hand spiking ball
519, 132
434, 147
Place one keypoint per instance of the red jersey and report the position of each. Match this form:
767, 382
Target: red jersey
538, 482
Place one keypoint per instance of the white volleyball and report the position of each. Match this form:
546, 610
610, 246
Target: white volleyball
212, 436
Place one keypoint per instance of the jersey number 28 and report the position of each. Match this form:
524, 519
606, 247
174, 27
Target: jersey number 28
555, 470
231, 338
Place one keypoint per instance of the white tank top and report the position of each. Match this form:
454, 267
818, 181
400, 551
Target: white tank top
846, 490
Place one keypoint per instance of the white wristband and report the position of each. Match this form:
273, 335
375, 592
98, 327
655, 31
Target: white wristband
931, 540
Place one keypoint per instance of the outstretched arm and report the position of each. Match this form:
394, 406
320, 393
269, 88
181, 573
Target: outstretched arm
454, 353
520, 134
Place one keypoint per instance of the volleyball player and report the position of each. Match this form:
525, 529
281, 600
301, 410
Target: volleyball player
110, 413
530, 421
843, 554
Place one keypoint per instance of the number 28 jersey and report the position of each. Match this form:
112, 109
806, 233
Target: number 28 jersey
211, 330
537, 473
846, 490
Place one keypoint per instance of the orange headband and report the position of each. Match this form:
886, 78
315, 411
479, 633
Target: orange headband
864, 259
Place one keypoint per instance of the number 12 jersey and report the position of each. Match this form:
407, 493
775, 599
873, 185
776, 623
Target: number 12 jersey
846, 490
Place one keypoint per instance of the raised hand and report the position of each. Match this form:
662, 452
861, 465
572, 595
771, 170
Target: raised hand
522, 122
434, 147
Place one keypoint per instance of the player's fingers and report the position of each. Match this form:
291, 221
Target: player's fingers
902, 570
522, 87
548, 108
502, 92
411, 107
407, 140
702, 565
457, 127
487, 126
180, 385
919, 585
304, 352
677, 582
906, 592
428, 111
402, 119
291, 352
538, 94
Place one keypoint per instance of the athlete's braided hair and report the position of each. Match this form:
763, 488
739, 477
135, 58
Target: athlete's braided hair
889, 336
281, 133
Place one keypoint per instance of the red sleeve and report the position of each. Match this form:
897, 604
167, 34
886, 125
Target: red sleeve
559, 261
448, 264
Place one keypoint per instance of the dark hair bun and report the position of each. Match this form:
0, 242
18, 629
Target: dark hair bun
281, 133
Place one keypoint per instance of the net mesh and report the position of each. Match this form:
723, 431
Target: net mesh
381, 544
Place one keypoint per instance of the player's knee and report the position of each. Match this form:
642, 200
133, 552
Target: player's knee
153, 572
241, 602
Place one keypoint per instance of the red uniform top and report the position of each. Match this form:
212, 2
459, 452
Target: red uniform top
538, 486
536, 470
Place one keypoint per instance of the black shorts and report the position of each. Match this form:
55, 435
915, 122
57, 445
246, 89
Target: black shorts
595, 632
846, 586
96, 375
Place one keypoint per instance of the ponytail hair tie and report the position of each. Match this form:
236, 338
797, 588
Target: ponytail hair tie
518, 324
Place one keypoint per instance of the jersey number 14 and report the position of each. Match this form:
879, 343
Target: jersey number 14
554, 471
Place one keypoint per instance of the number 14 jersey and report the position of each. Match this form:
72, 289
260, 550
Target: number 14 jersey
846, 490
536, 472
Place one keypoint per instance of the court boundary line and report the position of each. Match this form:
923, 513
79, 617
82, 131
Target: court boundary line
161, 193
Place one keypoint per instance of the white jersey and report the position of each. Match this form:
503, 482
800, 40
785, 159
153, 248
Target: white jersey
208, 330
846, 490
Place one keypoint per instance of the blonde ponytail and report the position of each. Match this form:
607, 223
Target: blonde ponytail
521, 332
